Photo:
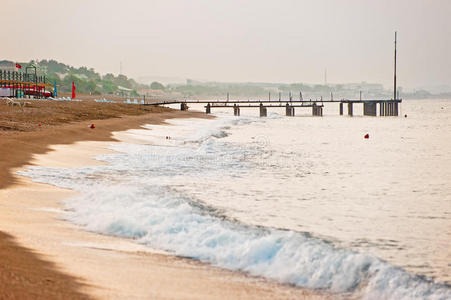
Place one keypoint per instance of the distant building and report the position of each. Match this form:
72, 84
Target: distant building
7, 65
123, 91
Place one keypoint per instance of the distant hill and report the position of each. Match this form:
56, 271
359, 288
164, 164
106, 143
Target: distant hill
87, 81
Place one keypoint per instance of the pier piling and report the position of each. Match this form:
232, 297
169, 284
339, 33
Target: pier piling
289, 110
317, 110
350, 109
236, 110
263, 111
369, 109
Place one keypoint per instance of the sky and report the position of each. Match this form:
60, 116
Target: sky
237, 40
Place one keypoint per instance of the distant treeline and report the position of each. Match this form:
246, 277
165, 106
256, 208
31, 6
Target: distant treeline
88, 81
265, 90
205, 90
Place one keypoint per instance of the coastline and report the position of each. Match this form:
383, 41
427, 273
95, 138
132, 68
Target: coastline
96, 262
17, 146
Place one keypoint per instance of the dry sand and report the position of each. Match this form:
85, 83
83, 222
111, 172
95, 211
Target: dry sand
65, 123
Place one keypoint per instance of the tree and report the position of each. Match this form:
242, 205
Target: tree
109, 77
156, 86
91, 86
109, 87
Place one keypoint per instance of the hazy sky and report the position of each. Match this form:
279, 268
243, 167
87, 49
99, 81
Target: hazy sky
237, 40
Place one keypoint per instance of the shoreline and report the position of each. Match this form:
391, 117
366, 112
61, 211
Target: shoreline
97, 261
17, 147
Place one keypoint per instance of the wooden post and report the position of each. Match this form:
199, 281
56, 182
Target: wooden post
263, 111
396, 109
289, 110
394, 77
350, 110
369, 109
208, 109
341, 108
317, 110
236, 110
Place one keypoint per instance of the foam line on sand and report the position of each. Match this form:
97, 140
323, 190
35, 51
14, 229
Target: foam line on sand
110, 267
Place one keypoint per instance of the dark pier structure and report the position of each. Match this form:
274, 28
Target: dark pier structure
370, 107
385, 107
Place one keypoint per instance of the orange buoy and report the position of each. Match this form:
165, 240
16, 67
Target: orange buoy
367, 136
92, 126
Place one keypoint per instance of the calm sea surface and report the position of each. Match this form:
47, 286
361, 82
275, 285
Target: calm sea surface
389, 196
302, 200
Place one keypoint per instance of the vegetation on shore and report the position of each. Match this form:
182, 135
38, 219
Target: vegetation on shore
90, 82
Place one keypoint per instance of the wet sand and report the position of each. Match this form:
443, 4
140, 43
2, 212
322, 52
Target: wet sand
46, 257
109, 267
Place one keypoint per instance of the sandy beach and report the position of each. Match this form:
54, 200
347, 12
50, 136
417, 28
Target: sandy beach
45, 257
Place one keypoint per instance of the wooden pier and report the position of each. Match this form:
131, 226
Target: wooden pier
386, 107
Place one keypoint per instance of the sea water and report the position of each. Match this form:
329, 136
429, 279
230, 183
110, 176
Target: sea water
302, 200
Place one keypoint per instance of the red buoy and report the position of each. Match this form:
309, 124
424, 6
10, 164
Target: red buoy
39, 124
92, 126
367, 136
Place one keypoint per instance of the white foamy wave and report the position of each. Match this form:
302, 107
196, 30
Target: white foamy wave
136, 196
185, 132
158, 216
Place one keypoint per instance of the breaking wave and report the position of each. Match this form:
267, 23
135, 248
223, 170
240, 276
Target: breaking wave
134, 197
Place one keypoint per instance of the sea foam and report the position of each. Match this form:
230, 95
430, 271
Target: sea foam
137, 196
